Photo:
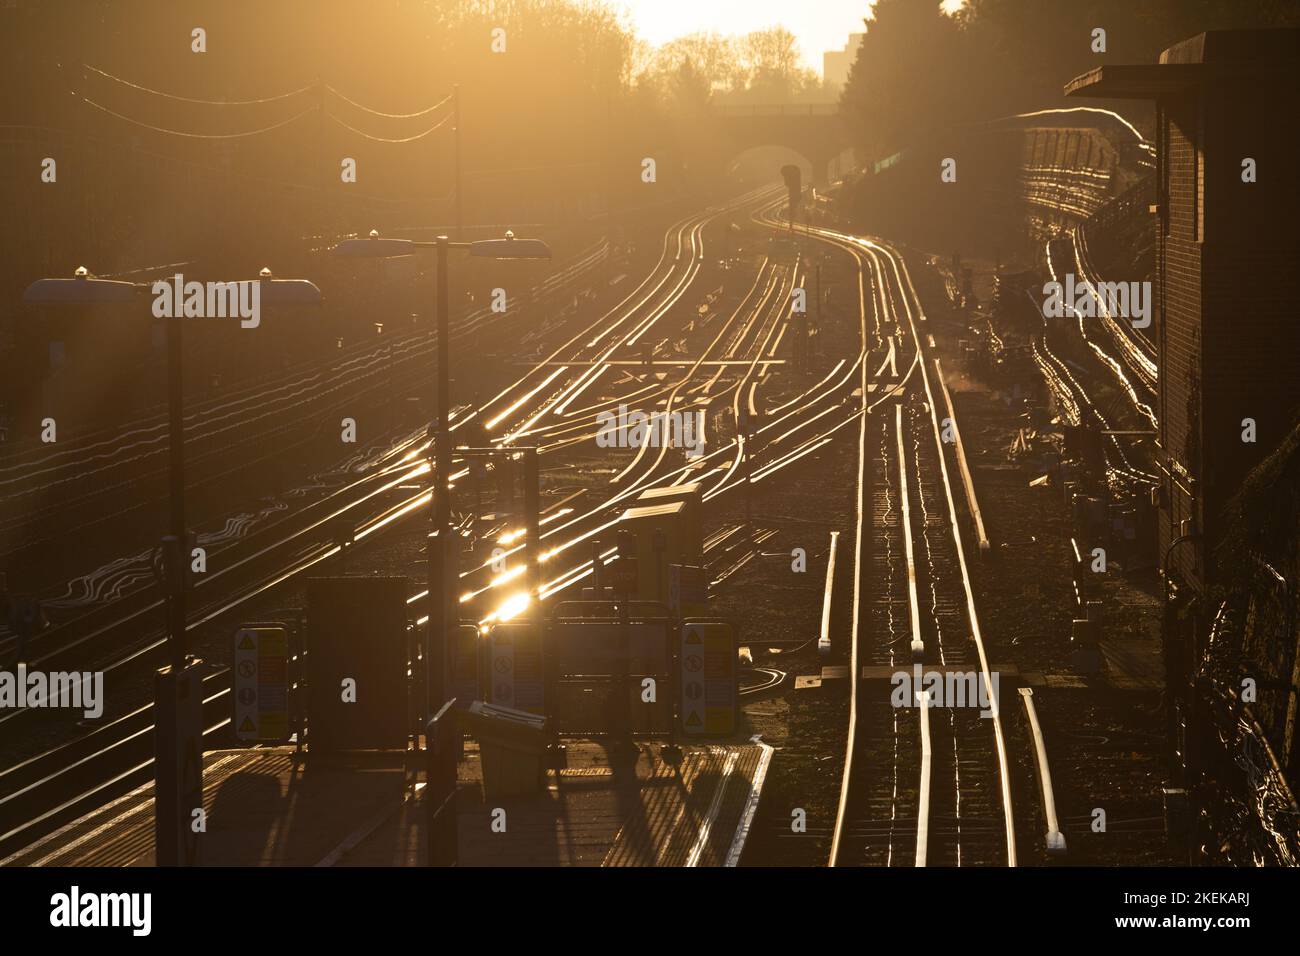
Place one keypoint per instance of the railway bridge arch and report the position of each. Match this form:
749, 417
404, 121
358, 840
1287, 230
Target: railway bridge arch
814, 130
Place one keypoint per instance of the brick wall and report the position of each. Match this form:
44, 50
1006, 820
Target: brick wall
1232, 323
1180, 296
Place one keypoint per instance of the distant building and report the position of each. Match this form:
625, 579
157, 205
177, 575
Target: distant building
837, 63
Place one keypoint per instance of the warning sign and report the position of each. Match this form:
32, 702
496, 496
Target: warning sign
515, 676
261, 684
709, 682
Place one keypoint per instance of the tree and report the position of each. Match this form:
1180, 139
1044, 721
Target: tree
712, 58
907, 76
768, 67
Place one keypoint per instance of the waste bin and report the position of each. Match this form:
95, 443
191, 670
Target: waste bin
512, 747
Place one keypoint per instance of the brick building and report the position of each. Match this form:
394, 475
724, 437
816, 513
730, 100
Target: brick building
1228, 253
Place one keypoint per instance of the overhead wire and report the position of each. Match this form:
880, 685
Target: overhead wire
177, 132
347, 99
269, 99
191, 99
385, 139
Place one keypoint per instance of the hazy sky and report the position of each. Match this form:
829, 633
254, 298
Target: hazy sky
819, 25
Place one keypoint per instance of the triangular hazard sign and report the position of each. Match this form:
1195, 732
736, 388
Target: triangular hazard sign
693, 720
248, 726
247, 643
693, 637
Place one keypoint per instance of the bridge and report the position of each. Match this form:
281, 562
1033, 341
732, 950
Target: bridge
814, 130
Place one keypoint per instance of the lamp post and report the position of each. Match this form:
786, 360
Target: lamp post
441, 573
178, 689
460, 195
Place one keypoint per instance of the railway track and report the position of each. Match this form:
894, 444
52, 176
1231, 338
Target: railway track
1129, 457
926, 783
363, 502
537, 407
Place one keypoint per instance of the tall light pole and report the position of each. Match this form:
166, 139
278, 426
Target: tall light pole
178, 763
441, 565
460, 205
174, 544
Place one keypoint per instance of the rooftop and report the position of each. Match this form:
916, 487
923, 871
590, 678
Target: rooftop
1261, 55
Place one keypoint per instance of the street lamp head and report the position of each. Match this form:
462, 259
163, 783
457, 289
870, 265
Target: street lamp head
374, 247
82, 289
288, 291
85, 289
510, 248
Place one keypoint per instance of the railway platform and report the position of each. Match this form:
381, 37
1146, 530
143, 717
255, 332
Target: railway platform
268, 807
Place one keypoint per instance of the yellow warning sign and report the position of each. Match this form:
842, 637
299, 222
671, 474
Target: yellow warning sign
261, 684
709, 691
